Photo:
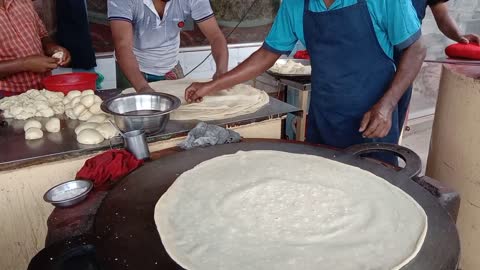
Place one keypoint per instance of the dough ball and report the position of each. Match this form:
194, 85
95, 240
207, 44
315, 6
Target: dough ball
97, 118
66, 100
78, 110
98, 99
47, 112
95, 108
24, 115
14, 110
53, 125
70, 114
58, 108
86, 114
87, 93
75, 101
107, 130
58, 56
85, 126
88, 101
33, 133
32, 93
73, 94
41, 105
32, 124
90, 136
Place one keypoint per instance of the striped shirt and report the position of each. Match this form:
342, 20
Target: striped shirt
21, 33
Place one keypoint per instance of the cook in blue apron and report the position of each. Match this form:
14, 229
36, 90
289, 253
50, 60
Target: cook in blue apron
342, 93
350, 43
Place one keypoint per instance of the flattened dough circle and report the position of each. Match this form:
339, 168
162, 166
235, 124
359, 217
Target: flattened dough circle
250, 211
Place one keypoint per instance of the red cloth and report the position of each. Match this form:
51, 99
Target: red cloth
301, 55
109, 166
466, 51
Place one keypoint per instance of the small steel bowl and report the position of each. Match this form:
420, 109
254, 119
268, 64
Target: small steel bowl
53, 194
148, 112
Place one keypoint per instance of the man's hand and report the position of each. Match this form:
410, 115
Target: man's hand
146, 90
66, 58
377, 122
470, 38
196, 91
39, 63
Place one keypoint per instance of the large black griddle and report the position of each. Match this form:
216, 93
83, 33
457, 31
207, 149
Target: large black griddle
125, 235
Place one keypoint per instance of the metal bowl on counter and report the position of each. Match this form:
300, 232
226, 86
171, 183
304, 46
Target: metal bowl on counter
68, 193
148, 112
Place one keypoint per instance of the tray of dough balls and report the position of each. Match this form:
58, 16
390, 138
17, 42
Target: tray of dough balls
44, 123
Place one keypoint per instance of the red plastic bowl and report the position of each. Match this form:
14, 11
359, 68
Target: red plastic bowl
71, 81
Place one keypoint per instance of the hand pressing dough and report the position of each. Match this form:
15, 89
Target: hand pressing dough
107, 130
73, 94
236, 101
32, 124
87, 93
33, 134
90, 136
95, 109
85, 126
53, 125
88, 101
78, 110
98, 118
85, 115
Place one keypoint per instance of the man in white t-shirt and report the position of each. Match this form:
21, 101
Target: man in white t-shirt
146, 34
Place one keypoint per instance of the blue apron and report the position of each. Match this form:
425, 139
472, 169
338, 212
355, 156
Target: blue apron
403, 104
350, 73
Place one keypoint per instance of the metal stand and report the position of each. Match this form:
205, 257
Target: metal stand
282, 85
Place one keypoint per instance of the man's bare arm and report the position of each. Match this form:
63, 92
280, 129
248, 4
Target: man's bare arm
218, 43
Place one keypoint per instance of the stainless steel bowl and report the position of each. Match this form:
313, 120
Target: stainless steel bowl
148, 112
68, 193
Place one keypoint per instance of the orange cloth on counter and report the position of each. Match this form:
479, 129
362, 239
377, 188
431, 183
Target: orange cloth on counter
109, 166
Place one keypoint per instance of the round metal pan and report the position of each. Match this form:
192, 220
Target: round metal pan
128, 238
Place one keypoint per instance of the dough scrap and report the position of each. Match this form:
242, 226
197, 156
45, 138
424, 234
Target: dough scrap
33, 134
250, 211
53, 125
32, 124
89, 136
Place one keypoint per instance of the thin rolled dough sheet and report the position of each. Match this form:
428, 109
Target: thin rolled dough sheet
239, 100
248, 211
